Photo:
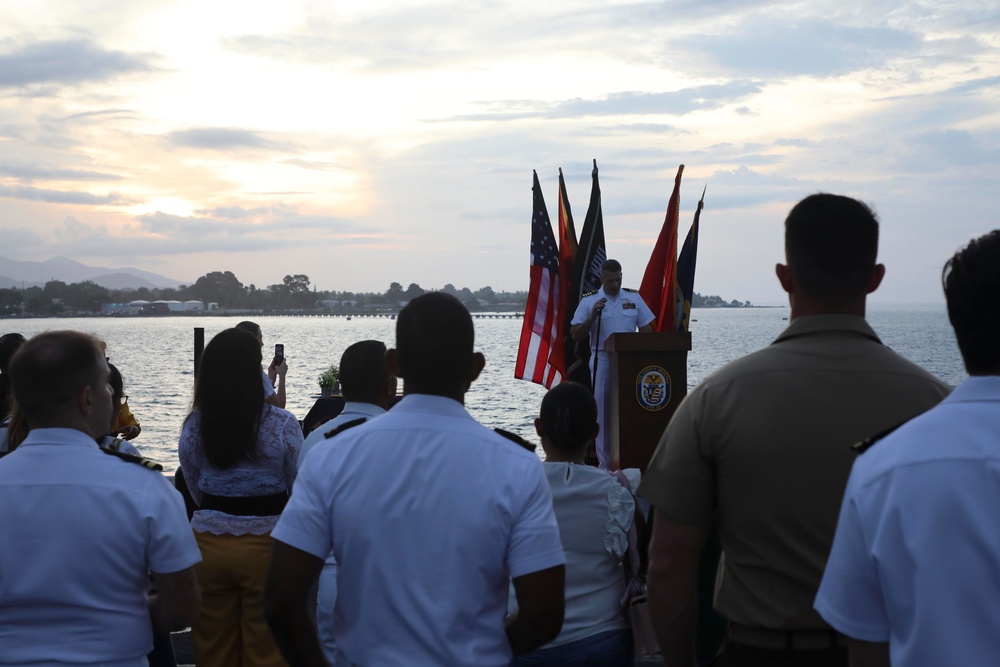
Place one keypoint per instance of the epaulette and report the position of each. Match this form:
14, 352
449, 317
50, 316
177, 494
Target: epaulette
591, 293
866, 444
629, 289
145, 463
513, 437
343, 427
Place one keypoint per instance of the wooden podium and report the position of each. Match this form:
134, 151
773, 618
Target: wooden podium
648, 381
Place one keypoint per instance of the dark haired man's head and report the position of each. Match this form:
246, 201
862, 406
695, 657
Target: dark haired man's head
611, 277
364, 373
971, 280
611, 266
831, 243
60, 379
434, 347
567, 420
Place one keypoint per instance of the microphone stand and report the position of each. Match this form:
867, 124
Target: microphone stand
597, 344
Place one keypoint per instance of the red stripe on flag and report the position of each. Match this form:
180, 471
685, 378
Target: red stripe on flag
539, 330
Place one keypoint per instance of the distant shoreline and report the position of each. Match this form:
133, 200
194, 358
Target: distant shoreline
495, 314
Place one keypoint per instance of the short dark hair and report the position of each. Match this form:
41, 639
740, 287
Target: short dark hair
434, 343
831, 243
229, 397
971, 280
611, 266
568, 414
363, 371
50, 368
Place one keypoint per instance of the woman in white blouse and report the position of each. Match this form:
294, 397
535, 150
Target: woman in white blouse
238, 455
594, 513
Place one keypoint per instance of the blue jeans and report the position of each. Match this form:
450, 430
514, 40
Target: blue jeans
605, 649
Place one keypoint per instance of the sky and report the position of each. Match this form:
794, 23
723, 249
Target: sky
394, 140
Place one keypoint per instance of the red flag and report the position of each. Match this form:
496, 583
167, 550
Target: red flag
541, 317
657, 288
563, 349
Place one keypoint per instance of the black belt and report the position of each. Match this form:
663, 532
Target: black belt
245, 505
782, 639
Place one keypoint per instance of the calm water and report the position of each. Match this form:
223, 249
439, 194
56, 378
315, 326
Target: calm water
155, 356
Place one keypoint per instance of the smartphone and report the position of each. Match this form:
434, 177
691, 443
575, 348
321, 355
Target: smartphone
279, 352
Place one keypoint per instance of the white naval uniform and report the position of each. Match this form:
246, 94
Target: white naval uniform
326, 597
624, 313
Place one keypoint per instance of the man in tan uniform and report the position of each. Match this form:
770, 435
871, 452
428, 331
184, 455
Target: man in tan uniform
764, 446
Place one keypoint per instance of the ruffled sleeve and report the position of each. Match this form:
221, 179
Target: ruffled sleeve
621, 512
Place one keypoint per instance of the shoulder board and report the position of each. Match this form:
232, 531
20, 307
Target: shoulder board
591, 293
629, 289
515, 439
115, 445
867, 443
145, 463
343, 427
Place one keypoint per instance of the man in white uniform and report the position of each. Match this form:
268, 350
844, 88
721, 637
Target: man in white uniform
368, 388
82, 529
914, 573
429, 515
607, 311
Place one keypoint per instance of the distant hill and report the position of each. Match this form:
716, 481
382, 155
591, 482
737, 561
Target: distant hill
14, 273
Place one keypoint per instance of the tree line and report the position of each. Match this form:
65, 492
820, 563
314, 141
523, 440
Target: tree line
294, 293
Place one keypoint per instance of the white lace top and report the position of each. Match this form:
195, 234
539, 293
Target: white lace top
594, 513
278, 442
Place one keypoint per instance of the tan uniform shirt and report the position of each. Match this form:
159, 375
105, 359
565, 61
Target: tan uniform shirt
766, 442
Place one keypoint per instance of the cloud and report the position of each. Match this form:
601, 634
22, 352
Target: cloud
797, 142
32, 172
102, 115
974, 85
67, 62
268, 223
264, 229
63, 196
220, 139
929, 151
20, 237
312, 164
810, 47
678, 102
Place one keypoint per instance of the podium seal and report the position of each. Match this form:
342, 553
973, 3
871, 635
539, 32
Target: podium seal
652, 388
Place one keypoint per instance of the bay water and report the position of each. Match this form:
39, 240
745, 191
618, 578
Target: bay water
156, 357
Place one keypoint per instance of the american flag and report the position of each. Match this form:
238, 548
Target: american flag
541, 316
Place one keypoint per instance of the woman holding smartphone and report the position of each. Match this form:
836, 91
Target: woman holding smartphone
274, 376
238, 454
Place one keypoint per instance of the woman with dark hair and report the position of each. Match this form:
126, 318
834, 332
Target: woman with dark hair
238, 455
9, 344
594, 512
